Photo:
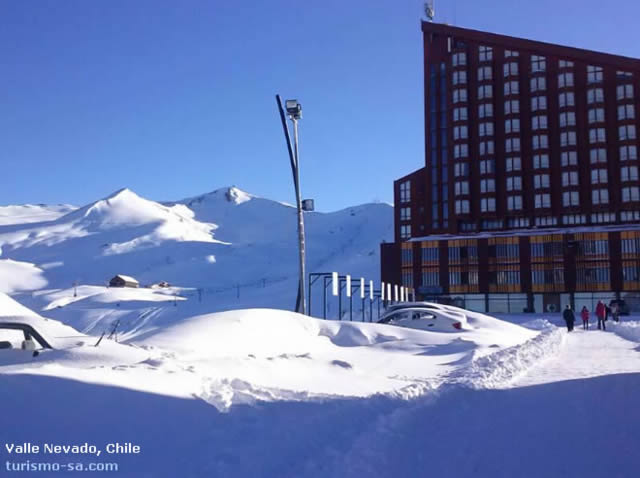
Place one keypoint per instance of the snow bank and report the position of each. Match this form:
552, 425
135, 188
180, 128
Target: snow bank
498, 369
626, 330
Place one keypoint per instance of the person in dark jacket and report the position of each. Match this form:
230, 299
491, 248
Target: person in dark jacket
568, 317
601, 313
584, 313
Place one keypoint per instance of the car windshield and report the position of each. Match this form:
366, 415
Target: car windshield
16, 338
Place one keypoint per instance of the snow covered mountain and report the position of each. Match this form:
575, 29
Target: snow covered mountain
219, 240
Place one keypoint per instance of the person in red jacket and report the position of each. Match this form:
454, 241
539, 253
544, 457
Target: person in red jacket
584, 313
601, 313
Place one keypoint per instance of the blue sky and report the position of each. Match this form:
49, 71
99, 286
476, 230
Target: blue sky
173, 99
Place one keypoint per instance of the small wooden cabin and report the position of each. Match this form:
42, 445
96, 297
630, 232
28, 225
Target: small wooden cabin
123, 281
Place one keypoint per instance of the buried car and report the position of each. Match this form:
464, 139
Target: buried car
34, 339
424, 318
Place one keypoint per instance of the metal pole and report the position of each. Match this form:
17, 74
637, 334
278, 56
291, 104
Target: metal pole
310, 284
324, 298
339, 299
301, 245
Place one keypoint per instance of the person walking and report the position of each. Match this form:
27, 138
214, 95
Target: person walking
601, 313
569, 318
584, 313
615, 312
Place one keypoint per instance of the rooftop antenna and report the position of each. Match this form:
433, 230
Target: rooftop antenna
429, 10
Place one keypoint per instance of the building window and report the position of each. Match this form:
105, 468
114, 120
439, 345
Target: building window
513, 164
597, 135
568, 118
627, 131
460, 151
624, 92
459, 59
514, 183
511, 88
485, 129
512, 125
595, 95
538, 63
485, 91
598, 155
569, 158
487, 185
405, 214
626, 112
485, 53
511, 53
460, 132
405, 231
485, 110
514, 203
538, 103
431, 277
538, 83
488, 204
461, 188
487, 166
628, 153
460, 95
594, 74
565, 64
566, 99
510, 69
600, 196
484, 73
574, 219
541, 181
539, 122
570, 178
511, 107
565, 79
628, 216
405, 191
568, 138
596, 115
461, 170
512, 145
631, 194
460, 77
629, 173
462, 206
460, 114
540, 161
543, 200
570, 198
540, 141
603, 217
486, 147
599, 176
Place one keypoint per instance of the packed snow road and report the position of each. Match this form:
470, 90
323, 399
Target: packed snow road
573, 414
586, 354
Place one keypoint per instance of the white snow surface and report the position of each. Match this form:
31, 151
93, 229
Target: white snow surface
257, 391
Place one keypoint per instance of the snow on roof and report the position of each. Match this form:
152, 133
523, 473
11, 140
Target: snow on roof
528, 232
127, 278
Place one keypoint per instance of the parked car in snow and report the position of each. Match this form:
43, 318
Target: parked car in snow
429, 305
424, 318
26, 339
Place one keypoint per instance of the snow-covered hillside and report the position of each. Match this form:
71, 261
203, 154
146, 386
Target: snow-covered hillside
214, 242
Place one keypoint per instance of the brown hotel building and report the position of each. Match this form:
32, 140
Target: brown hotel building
530, 194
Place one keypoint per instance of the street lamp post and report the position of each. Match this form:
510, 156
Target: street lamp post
294, 111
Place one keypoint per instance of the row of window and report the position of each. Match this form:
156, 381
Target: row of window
539, 84
585, 275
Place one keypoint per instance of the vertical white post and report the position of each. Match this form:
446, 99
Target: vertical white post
334, 283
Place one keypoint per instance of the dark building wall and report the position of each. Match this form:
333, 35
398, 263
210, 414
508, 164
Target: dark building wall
390, 263
433, 189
